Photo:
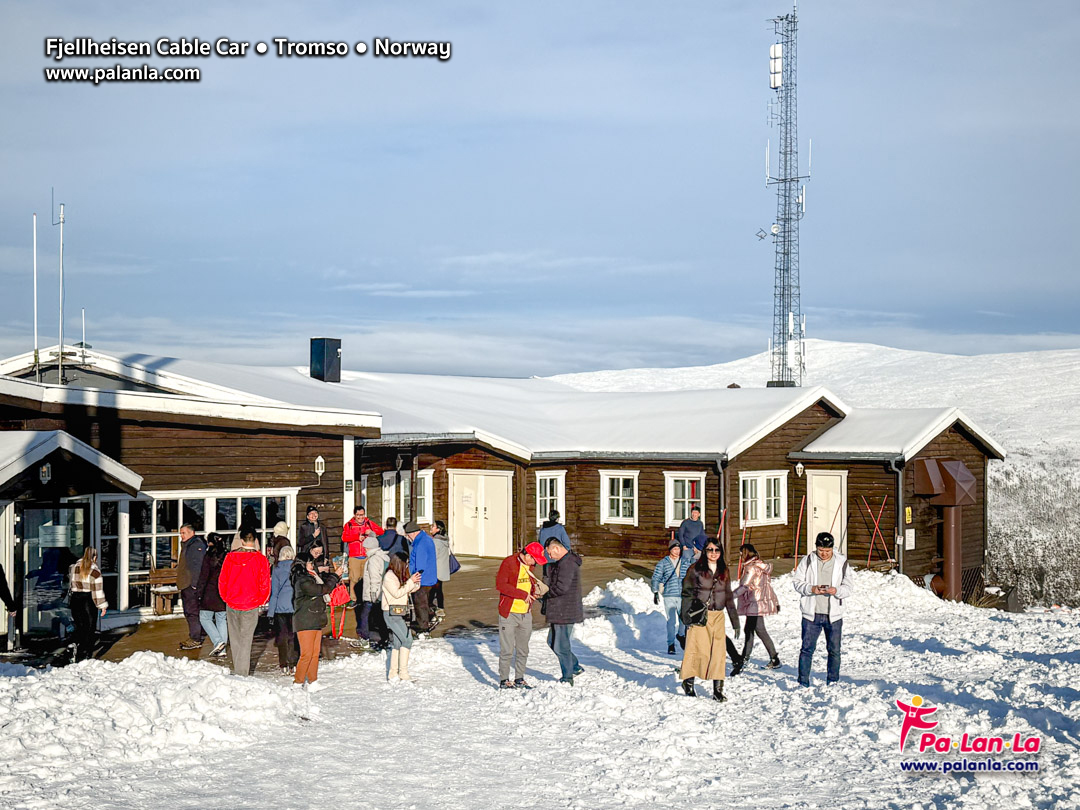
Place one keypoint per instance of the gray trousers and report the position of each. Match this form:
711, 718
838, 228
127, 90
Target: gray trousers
241, 624
514, 632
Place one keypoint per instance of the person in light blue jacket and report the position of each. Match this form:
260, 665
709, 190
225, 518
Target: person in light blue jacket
667, 580
280, 611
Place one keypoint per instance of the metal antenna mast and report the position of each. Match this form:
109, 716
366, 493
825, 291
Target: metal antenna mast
789, 324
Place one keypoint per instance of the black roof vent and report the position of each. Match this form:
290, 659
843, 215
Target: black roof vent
326, 359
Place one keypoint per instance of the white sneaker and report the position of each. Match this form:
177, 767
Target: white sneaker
315, 686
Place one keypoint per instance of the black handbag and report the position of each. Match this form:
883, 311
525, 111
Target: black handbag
697, 615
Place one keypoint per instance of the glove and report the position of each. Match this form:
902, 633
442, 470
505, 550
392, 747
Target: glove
656, 598
736, 630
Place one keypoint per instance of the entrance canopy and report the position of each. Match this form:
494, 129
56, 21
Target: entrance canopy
74, 465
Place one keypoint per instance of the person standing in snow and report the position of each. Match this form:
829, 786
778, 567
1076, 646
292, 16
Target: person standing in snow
188, 568
517, 591
396, 587
311, 584
442, 565
87, 598
562, 606
213, 614
370, 628
552, 529
690, 530
422, 561
667, 579
756, 599
823, 580
280, 611
244, 584
312, 533
352, 540
707, 589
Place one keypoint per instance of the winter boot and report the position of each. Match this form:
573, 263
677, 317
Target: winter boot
403, 664
718, 691
774, 663
670, 649
736, 667
688, 687
395, 657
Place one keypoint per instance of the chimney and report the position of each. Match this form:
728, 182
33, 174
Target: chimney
326, 359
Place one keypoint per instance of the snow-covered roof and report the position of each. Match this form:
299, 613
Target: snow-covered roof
891, 433
22, 449
525, 417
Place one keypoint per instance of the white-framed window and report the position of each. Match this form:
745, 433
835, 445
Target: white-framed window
763, 498
619, 496
397, 496
425, 496
682, 492
389, 496
550, 494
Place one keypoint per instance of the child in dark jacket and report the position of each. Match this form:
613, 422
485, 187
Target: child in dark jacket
280, 611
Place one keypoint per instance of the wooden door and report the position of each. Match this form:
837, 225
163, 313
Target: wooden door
495, 512
826, 495
465, 520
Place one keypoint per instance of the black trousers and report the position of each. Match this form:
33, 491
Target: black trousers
437, 599
84, 617
281, 629
422, 607
756, 625
191, 613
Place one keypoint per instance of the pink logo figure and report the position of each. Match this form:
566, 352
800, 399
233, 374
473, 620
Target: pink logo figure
915, 715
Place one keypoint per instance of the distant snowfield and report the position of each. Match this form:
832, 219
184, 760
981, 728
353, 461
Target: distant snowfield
1029, 402
155, 732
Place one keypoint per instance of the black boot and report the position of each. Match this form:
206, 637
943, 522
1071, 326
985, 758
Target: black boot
736, 666
688, 687
718, 691
774, 663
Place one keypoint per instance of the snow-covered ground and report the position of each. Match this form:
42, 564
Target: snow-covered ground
1029, 402
152, 731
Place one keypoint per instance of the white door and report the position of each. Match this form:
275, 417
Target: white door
480, 509
826, 495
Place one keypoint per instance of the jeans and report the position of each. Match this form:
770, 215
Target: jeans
215, 624
363, 616
192, 612
559, 641
810, 632
514, 632
756, 625
399, 631
672, 608
241, 629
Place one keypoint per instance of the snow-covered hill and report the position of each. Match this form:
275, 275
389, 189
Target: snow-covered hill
1029, 402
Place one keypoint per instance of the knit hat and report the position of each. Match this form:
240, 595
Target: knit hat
672, 543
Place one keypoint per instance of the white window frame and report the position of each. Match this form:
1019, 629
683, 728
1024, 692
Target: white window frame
559, 476
762, 476
425, 511
670, 521
605, 515
389, 496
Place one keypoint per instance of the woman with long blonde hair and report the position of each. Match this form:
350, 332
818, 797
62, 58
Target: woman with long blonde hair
87, 598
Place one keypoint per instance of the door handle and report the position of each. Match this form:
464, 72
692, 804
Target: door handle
485, 513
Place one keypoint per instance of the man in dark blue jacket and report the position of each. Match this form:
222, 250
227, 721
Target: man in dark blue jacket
422, 560
390, 541
562, 606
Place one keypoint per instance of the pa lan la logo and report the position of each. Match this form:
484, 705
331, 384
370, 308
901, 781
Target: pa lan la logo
917, 716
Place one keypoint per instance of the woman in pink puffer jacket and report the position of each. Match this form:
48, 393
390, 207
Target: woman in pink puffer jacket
756, 599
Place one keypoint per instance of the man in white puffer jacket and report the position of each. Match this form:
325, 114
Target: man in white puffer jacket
823, 580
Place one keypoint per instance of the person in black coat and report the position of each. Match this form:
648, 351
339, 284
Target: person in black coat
312, 584
562, 606
707, 586
312, 533
212, 608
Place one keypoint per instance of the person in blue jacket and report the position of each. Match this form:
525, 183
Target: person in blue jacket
279, 611
422, 560
553, 530
689, 531
667, 583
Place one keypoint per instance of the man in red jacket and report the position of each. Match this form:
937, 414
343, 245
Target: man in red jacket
244, 584
352, 539
518, 589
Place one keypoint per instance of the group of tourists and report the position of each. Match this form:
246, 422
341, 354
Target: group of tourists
695, 586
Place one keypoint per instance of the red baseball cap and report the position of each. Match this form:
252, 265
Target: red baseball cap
536, 551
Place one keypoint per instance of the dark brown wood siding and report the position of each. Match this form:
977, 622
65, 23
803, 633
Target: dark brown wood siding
924, 558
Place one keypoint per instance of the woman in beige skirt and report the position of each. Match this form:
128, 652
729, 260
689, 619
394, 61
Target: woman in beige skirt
707, 584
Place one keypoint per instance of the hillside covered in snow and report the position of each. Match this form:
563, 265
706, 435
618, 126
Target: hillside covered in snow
1029, 402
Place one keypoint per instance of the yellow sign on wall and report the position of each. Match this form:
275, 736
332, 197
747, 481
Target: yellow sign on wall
907, 514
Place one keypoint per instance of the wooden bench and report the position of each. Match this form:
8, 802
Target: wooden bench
163, 587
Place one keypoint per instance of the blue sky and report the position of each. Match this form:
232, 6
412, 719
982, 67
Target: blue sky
577, 188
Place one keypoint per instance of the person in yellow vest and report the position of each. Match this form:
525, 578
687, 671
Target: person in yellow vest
518, 590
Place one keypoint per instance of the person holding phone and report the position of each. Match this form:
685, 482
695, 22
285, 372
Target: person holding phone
312, 583
396, 587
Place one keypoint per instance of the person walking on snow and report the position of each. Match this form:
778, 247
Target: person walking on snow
396, 587
442, 565
562, 606
370, 628
422, 560
280, 611
244, 585
690, 530
667, 579
188, 568
756, 599
213, 615
311, 586
352, 540
823, 580
707, 589
517, 591
87, 598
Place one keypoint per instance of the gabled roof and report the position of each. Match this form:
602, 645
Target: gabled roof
22, 449
892, 433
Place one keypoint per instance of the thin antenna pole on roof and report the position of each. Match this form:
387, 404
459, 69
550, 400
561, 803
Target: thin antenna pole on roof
60, 352
37, 361
84, 335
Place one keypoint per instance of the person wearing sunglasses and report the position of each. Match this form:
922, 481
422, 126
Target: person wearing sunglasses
706, 595
823, 580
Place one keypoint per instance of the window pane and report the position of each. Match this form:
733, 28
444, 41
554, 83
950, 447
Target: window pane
680, 488
195, 513
168, 516
139, 521
108, 557
110, 511
139, 553
251, 513
226, 514
613, 507
163, 557
694, 484
613, 487
275, 512
628, 508
139, 594
111, 586
680, 510
627, 487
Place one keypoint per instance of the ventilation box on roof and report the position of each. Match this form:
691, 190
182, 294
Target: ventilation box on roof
326, 359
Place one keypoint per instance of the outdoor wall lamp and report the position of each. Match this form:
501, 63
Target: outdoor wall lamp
799, 468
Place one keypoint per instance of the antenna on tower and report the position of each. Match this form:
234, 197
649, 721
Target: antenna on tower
789, 326
60, 349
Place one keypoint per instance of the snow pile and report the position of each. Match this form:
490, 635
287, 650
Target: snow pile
1027, 401
99, 714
